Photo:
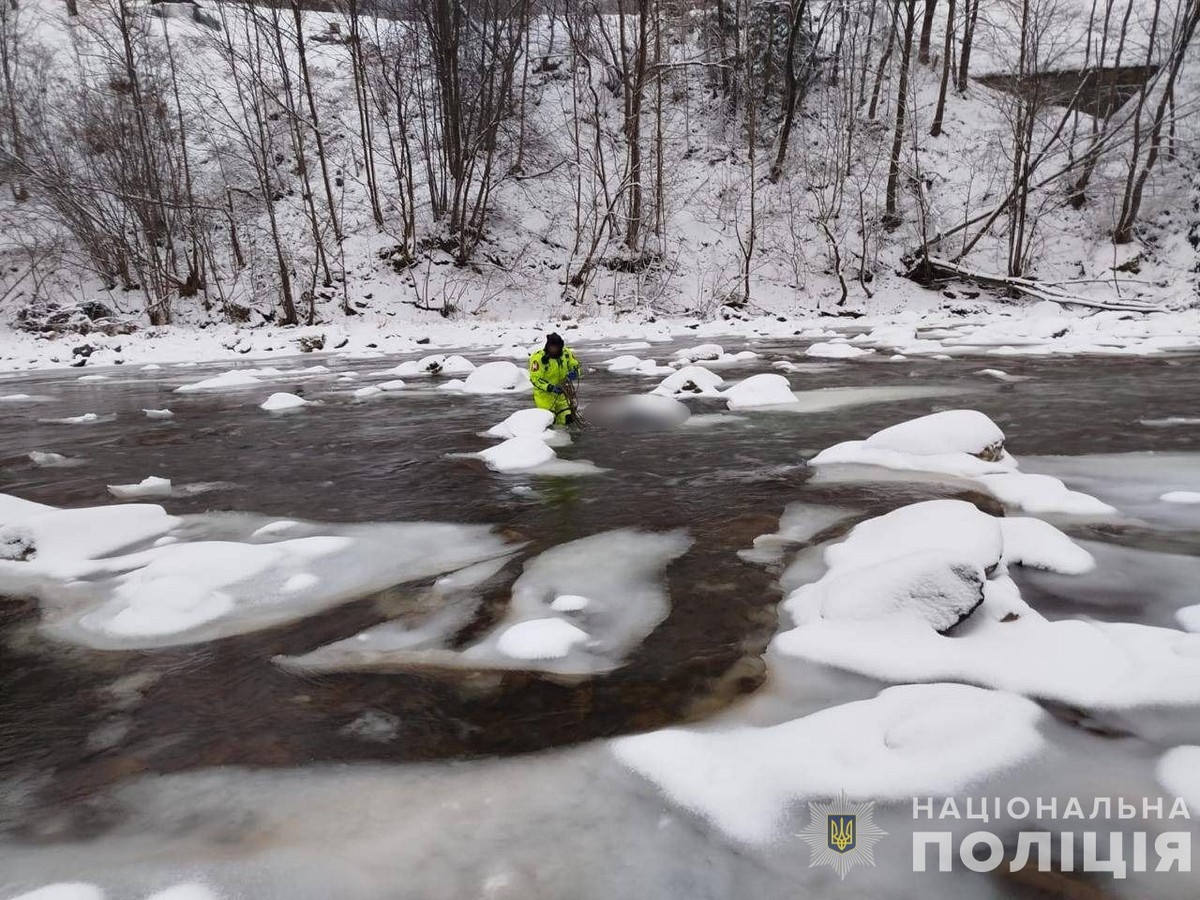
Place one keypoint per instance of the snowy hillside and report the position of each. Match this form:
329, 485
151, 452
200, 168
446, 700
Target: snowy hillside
385, 169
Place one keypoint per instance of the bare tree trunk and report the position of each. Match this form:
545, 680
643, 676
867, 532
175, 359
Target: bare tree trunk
791, 88
971, 17
893, 182
1133, 201
936, 128
927, 31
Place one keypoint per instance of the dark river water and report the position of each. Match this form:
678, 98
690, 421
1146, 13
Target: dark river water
223, 703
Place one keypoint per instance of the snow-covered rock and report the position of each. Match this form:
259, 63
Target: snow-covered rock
227, 381
540, 639
365, 393
951, 431
691, 380
967, 444
158, 414
151, 486
437, 364
836, 350
633, 365
394, 385
1181, 497
518, 454
281, 401
760, 391
532, 422
1004, 644
500, 377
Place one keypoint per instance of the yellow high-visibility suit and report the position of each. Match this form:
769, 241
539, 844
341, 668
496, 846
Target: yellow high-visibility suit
549, 377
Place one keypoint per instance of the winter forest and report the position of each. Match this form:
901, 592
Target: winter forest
297, 163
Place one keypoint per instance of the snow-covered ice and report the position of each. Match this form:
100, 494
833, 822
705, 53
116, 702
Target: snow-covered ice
105, 578
151, 486
909, 740
158, 413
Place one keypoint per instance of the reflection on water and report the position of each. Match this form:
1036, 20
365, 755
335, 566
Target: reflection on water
76, 724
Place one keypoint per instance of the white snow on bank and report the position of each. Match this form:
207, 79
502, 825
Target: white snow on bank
909, 740
151, 486
877, 611
281, 401
500, 377
962, 443
108, 578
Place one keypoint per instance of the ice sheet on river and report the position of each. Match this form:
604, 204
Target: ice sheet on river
578, 608
132, 576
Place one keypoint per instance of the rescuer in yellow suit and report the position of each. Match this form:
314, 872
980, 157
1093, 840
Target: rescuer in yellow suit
554, 370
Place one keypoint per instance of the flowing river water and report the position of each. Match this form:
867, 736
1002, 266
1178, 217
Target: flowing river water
119, 787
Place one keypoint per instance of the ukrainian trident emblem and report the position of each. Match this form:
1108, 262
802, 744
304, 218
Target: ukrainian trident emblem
842, 834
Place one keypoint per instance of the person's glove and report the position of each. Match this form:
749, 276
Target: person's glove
555, 389
572, 376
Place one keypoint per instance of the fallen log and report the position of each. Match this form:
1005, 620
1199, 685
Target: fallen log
932, 268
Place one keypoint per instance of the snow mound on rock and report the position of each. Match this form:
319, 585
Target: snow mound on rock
759, 391
967, 444
227, 381
836, 350
281, 401
151, 486
437, 364
498, 377
893, 633
524, 423
518, 454
691, 380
